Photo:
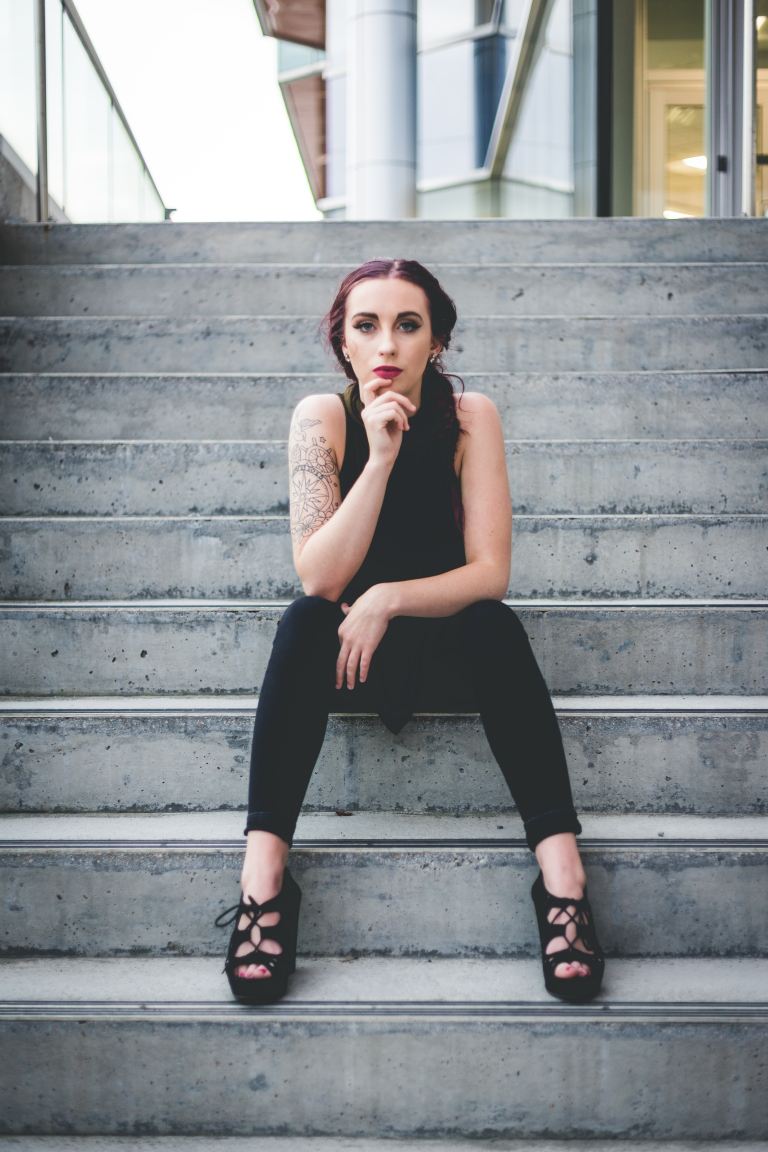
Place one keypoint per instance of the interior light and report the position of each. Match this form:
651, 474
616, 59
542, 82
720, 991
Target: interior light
670, 214
699, 162
760, 21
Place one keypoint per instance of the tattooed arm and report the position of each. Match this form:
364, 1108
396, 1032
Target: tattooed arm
330, 537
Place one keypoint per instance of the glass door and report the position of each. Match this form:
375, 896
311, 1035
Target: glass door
761, 108
670, 160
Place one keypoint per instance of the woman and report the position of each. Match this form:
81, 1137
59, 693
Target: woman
401, 529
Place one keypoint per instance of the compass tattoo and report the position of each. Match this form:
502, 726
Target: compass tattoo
315, 490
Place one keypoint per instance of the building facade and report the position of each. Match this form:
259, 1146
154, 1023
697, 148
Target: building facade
527, 108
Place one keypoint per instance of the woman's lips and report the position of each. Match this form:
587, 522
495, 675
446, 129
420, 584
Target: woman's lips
388, 373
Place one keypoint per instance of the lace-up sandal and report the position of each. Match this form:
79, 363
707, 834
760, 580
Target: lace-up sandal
263, 989
574, 924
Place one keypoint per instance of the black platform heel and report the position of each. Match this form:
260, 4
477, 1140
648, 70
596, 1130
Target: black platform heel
263, 989
577, 989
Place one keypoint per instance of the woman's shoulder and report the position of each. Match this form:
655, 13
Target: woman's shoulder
474, 407
323, 414
326, 405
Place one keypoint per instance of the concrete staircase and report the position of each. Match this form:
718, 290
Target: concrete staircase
147, 379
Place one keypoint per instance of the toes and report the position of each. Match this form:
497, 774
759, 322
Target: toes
570, 969
253, 972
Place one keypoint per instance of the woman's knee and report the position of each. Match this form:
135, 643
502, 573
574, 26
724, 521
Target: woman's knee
309, 618
488, 622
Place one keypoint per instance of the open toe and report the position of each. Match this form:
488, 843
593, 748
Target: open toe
568, 937
274, 920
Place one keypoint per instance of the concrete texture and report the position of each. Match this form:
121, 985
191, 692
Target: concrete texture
293, 344
512, 289
329, 241
539, 405
408, 1075
356, 1144
250, 557
704, 763
380, 883
246, 477
616, 649
156, 983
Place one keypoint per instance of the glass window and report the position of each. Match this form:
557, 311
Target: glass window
685, 164
290, 56
541, 149
761, 108
446, 136
669, 122
675, 34
511, 14
439, 21
54, 97
87, 134
18, 107
127, 175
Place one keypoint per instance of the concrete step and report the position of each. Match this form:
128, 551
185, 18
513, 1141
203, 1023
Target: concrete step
357, 1144
380, 883
294, 344
250, 557
535, 405
699, 755
511, 289
423, 1050
246, 477
667, 648
330, 241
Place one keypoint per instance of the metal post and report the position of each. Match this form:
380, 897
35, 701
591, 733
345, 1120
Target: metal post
42, 113
748, 158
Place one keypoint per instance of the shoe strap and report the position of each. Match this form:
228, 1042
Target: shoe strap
580, 917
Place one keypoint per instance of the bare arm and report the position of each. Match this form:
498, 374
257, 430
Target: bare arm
331, 537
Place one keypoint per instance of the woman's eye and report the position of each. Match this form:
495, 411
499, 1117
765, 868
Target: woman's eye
411, 326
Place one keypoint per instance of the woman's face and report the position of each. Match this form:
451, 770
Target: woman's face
386, 324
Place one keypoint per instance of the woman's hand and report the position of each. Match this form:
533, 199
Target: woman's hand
361, 632
385, 417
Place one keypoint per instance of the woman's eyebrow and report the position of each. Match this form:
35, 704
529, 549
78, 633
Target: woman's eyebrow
410, 312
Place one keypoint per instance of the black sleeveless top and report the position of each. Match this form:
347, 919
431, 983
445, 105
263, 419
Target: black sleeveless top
418, 534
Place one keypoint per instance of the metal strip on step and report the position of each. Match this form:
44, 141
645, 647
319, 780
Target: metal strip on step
337, 844
518, 1011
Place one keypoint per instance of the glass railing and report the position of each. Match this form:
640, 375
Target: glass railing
96, 172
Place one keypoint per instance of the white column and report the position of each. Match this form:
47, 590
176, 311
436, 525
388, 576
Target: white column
381, 110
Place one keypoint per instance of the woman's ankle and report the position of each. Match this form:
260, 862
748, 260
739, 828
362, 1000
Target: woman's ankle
561, 866
266, 855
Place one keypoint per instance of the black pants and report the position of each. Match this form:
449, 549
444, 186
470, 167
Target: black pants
482, 661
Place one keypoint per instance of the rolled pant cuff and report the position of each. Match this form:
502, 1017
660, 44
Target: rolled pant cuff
550, 824
267, 822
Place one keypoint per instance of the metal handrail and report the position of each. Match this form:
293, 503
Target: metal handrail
42, 130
